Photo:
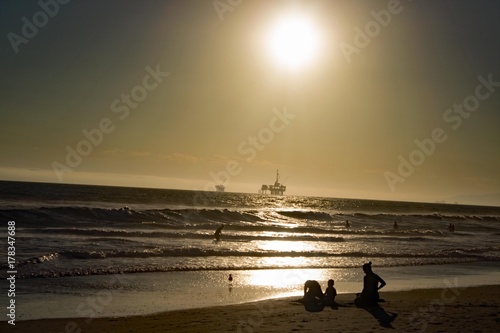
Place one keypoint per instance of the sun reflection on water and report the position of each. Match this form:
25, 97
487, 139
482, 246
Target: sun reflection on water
285, 246
286, 279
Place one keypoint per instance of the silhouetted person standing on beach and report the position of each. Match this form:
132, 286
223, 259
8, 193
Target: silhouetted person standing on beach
369, 295
396, 226
347, 224
230, 282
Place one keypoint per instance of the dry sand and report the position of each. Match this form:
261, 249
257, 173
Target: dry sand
474, 309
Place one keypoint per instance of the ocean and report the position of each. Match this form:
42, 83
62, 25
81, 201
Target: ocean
73, 241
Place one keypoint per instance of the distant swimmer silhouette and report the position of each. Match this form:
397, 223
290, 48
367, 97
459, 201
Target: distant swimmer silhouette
126, 209
369, 296
451, 227
230, 279
396, 226
218, 232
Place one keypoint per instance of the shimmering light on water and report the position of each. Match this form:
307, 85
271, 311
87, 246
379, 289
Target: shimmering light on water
286, 279
284, 262
285, 246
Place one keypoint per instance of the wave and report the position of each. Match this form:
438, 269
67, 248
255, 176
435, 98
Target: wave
179, 217
199, 252
428, 216
348, 260
124, 236
183, 217
307, 215
186, 268
242, 233
40, 259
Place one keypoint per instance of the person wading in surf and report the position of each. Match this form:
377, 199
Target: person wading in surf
218, 232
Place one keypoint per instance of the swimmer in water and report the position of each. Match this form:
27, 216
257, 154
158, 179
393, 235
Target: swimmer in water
218, 232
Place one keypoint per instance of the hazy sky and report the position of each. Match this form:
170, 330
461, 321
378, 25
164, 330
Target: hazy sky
397, 100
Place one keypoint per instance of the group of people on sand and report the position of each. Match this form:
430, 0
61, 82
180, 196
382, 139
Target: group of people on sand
315, 300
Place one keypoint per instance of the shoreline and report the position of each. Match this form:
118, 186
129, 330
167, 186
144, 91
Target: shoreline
154, 293
420, 310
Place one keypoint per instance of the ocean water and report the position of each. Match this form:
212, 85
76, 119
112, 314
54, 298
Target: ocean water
74, 240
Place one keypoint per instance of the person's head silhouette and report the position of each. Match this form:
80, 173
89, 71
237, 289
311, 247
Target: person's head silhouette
367, 268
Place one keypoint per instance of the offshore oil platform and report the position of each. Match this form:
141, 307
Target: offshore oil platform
276, 189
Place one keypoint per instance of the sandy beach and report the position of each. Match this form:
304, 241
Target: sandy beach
450, 309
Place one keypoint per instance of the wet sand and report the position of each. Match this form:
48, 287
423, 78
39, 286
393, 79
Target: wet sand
449, 309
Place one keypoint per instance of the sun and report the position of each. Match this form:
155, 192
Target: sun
293, 41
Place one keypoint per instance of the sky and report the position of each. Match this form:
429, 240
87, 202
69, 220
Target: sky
389, 100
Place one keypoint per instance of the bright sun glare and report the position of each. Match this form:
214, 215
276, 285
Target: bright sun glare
294, 41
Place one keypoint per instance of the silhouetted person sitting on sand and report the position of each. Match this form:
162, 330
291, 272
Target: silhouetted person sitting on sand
312, 290
218, 232
369, 295
313, 296
330, 293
